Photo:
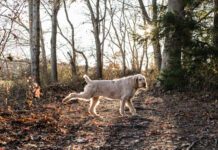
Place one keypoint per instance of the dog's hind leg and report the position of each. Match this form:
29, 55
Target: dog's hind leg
87, 93
83, 95
73, 96
93, 104
68, 98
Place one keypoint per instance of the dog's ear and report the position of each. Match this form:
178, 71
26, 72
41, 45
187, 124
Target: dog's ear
136, 82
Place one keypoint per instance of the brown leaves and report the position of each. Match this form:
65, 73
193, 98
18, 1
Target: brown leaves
165, 122
22, 126
153, 100
33, 91
63, 130
153, 133
37, 91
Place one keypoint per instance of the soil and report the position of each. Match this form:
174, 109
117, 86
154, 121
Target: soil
165, 121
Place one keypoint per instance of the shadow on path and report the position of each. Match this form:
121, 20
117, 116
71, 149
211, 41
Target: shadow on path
126, 133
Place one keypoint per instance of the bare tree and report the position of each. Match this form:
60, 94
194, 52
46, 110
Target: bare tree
10, 14
120, 32
135, 45
73, 56
34, 22
55, 9
72, 43
155, 35
15, 16
96, 20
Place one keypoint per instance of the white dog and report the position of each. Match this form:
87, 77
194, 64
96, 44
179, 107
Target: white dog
122, 89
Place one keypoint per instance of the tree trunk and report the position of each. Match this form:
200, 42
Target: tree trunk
34, 19
81, 53
30, 5
155, 39
73, 56
172, 76
172, 52
172, 48
54, 73
96, 31
146, 56
124, 63
99, 68
215, 22
145, 16
44, 60
142, 58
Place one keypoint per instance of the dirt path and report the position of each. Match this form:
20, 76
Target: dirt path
170, 121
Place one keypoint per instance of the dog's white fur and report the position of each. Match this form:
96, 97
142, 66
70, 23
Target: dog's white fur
122, 89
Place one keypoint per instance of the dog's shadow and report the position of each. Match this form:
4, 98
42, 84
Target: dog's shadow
126, 133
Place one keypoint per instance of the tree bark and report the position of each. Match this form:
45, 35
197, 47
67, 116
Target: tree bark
145, 16
54, 72
155, 37
44, 59
171, 59
145, 52
146, 56
215, 22
34, 22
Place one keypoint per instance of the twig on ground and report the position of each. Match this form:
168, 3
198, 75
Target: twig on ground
192, 144
216, 142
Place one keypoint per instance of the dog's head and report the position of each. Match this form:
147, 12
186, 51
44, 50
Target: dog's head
140, 81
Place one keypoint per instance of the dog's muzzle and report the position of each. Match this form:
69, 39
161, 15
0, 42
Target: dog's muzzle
144, 84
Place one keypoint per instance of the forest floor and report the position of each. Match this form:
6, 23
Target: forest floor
165, 121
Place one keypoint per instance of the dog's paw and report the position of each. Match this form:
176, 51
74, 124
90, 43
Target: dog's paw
100, 117
64, 101
135, 114
123, 115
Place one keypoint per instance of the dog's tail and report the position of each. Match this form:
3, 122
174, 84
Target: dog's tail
87, 79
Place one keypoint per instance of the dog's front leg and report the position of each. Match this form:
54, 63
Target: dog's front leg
131, 107
122, 104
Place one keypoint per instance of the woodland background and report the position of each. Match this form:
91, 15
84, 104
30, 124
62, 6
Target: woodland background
174, 43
